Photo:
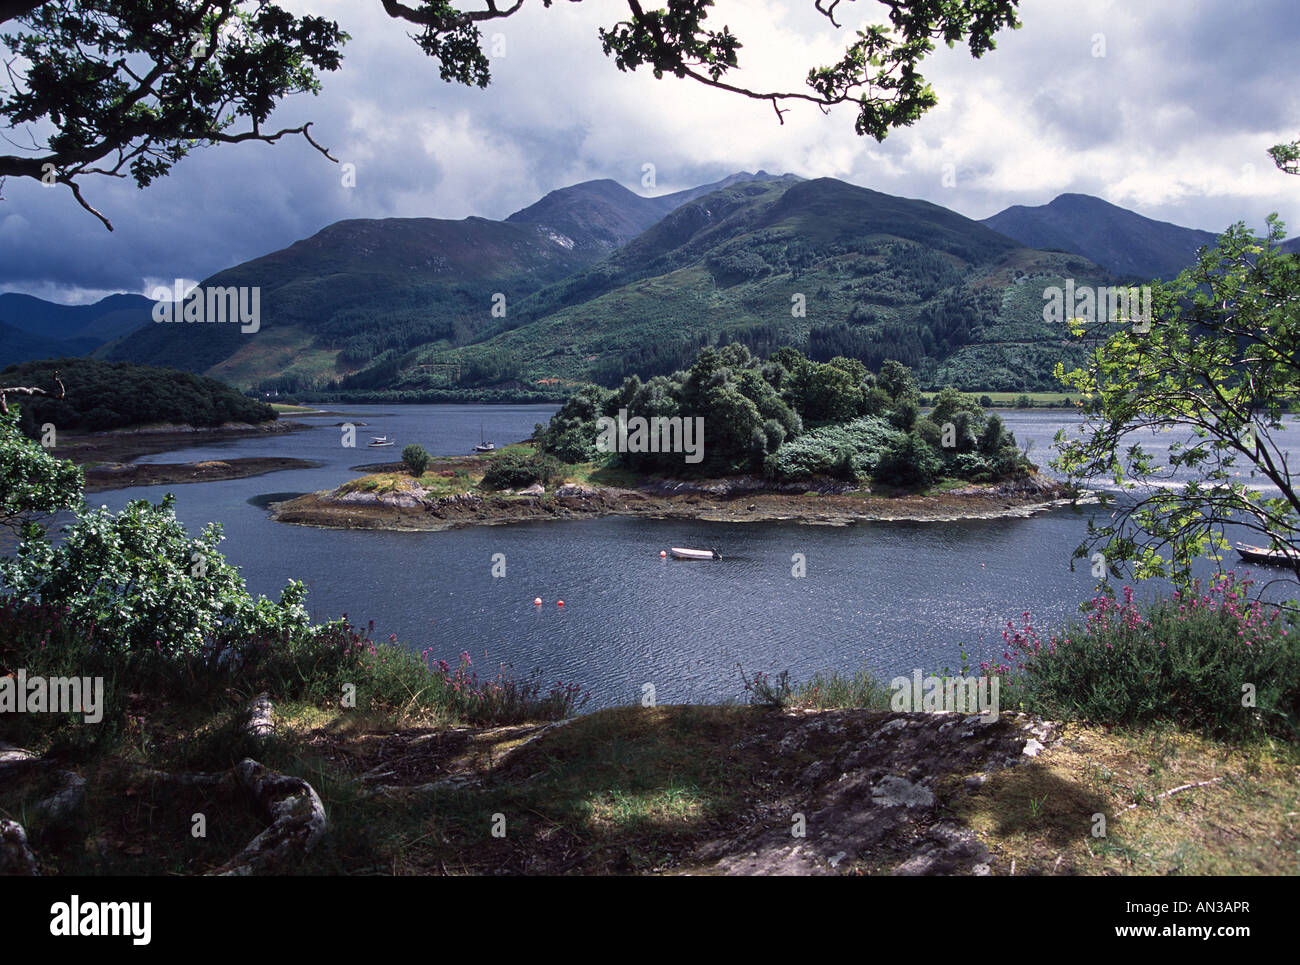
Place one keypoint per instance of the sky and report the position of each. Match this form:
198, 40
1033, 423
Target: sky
1165, 107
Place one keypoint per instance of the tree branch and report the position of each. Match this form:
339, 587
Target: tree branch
29, 390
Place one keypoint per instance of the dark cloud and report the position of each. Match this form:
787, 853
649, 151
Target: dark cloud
1173, 122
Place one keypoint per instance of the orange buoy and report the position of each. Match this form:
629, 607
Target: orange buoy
559, 603
537, 602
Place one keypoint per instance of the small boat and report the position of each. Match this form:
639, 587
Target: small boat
1267, 557
688, 554
482, 445
378, 442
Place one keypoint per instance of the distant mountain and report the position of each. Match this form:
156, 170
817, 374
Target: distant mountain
333, 302
17, 345
365, 292
604, 215
1119, 240
106, 319
33, 328
832, 268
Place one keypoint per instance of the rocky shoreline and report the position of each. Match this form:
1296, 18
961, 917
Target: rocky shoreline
116, 475
125, 445
738, 500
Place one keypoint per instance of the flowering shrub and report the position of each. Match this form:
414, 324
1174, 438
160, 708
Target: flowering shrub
1209, 658
500, 699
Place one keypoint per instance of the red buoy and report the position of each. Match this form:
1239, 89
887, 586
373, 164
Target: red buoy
559, 603
537, 602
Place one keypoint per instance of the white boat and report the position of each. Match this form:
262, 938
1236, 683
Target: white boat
688, 554
378, 442
483, 446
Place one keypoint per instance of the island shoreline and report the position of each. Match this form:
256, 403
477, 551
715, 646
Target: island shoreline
408, 511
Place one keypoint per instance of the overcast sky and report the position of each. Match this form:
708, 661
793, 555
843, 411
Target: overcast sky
1173, 122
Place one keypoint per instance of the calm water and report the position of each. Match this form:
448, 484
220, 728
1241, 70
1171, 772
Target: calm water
887, 596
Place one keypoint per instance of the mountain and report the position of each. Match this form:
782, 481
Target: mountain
363, 292
32, 328
1119, 240
832, 268
604, 215
106, 319
17, 345
358, 288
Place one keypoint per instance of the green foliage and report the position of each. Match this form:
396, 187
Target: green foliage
1286, 156
1216, 365
909, 462
32, 482
817, 452
131, 87
517, 470
1182, 660
416, 458
117, 395
790, 418
142, 581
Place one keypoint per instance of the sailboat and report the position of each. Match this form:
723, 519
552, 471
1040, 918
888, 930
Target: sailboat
483, 446
378, 442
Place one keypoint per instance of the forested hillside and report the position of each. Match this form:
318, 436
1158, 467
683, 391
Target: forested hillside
116, 395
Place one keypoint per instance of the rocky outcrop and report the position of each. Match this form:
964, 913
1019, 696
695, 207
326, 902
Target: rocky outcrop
16, 858
870, 796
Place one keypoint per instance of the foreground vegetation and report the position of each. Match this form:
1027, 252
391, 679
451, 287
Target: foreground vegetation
413, 777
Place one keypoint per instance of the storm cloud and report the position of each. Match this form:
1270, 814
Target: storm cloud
1167, 109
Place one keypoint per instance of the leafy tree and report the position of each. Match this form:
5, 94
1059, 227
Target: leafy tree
132, 86
115, 395
1286, 156
129, 87
905, 413
32, 482
949, 402
830, 394
142, 581
909, 463
416, 458
1217, 370
896, 379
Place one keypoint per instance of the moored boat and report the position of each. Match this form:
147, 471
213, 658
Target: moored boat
1267, 557
682, 553
378, 442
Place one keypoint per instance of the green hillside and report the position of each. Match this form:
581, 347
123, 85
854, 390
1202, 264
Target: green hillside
879, 278
333, 302
118, 395
401, 309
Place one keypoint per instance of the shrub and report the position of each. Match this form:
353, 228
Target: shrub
1183, 659
817, 453
909, 463
416, 459
514, 470
141, 581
